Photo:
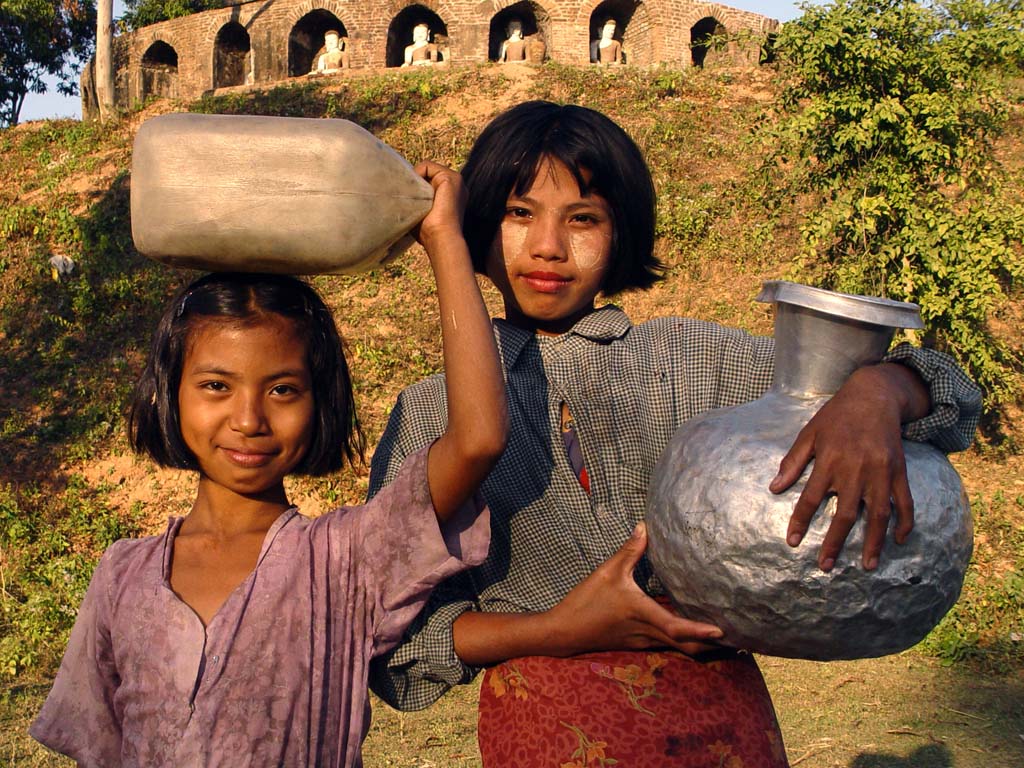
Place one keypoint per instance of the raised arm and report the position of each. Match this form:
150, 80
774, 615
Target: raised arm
478, 416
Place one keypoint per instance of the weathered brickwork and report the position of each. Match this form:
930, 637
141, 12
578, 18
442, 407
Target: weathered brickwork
271, 40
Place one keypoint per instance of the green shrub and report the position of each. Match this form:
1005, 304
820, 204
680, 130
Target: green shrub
50, 549
889, 112
986, 626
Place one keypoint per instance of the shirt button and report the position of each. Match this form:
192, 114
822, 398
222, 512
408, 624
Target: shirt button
215, 659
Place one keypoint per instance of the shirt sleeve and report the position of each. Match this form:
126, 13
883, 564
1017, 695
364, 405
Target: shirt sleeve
79, 718
423, 666
956, 400
408, 553
743, 369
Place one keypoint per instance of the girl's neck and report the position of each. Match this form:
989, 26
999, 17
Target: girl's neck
544, 327
222, 513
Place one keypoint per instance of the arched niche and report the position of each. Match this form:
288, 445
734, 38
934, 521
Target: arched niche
231, 55
401, 28
632, 30
533, 18
306, 40
159, 71
702, 46
768, 49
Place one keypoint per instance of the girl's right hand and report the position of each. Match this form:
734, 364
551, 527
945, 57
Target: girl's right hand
445, 217
609, 611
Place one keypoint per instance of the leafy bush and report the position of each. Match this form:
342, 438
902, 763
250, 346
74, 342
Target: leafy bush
889, 111
141, 13
986, 626
48, 560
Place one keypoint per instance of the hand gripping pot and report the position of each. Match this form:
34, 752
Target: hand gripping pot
717, 536
270, 194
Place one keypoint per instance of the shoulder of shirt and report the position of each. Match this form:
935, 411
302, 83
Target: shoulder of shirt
425, 393
133, 547
124, 552
672, 326
125, 559
432, 383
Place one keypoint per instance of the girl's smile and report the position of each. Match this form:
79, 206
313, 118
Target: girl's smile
246, 405
552, 251
546, 282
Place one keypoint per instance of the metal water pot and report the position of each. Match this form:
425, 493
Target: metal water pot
717, 536
270, 194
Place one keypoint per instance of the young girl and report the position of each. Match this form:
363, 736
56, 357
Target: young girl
241, 636
586, 668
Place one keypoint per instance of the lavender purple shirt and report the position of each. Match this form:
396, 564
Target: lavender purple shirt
278, 677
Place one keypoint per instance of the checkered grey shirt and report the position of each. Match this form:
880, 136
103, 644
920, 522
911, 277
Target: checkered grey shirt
628, 388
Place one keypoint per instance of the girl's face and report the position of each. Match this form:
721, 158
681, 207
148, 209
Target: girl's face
246, 403
551, 252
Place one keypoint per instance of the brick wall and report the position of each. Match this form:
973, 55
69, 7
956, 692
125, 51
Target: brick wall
271, 40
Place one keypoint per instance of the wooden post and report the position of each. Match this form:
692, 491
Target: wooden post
104, 58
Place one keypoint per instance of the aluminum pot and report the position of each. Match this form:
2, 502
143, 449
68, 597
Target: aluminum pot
717, 536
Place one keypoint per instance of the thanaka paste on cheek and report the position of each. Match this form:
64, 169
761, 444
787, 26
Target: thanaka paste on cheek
513, 242
586, 249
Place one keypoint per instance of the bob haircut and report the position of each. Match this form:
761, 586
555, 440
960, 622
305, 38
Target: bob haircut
507, 157
154, 423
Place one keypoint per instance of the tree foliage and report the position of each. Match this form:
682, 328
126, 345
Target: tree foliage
40, 38
140, 13
889, 113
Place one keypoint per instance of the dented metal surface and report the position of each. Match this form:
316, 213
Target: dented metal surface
717, 535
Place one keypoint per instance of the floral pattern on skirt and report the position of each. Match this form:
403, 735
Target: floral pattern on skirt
629, 709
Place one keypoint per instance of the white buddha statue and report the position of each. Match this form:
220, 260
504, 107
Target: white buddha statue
606, 50
335, 55
421, 51
513, 49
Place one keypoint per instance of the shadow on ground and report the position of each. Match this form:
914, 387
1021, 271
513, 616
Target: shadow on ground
932, 756
76, 341
904, 710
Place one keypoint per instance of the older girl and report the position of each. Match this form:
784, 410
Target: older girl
585, 667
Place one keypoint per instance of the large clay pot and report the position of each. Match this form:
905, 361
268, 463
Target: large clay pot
270, 194
717, 535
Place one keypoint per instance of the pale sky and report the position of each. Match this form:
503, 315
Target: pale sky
53, 104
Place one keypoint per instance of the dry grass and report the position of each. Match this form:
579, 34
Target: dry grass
896, 712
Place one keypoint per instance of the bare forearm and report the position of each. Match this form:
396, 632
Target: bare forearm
490, 638
477, 416
897, 382
606, 611
476, 390
477, 413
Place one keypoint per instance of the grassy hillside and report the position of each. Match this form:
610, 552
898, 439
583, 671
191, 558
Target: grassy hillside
70, 348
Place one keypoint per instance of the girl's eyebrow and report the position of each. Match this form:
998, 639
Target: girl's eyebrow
214, 370
209, 369
586, 201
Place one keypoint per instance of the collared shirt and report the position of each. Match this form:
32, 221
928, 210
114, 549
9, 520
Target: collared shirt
628, 389
278, 677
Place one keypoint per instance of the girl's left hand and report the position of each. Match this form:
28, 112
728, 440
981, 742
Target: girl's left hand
608, 611
445, 217
857, 448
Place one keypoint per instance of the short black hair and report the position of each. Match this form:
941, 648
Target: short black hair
508, 154
154, 423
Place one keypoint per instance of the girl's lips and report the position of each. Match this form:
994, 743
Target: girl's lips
546, 282
248, 458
